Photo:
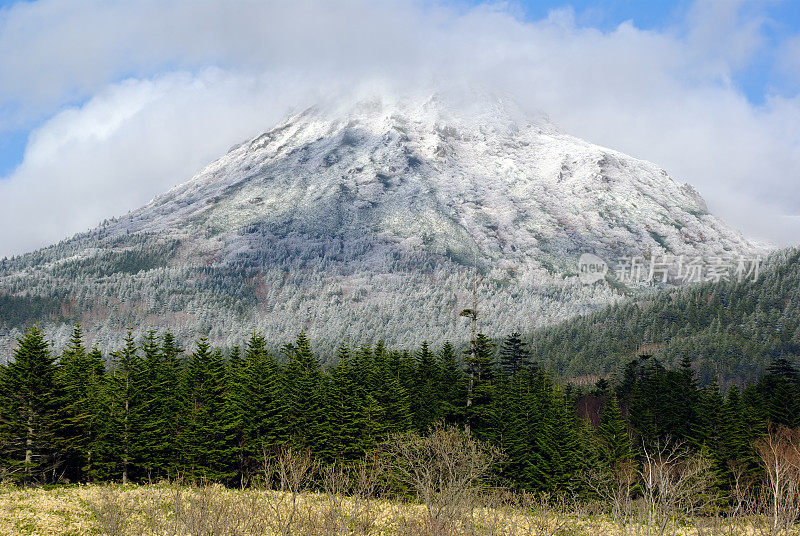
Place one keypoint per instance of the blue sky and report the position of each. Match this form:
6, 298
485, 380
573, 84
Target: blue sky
105, 104
756, 80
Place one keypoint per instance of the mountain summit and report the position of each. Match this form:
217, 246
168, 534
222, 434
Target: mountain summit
367, 221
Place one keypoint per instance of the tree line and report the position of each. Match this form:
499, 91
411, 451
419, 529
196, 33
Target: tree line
153, 410
732, 331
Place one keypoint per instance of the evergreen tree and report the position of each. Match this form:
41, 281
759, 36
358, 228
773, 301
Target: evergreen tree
303, 386
160, 399
615, 445
209, 436
29, 413
559, 457
388, 395
81, 375
261, 403
514, 356
118, 441
781, 393
452, 387
346, 426
527, 398
425, 383
482, 410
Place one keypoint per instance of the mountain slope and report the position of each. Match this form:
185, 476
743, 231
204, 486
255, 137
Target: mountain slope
728, 330
366, 221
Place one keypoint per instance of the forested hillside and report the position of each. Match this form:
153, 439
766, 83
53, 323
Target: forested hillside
729, 331
157, 411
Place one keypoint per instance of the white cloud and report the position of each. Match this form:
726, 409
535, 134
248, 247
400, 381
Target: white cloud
131, 141
204, 75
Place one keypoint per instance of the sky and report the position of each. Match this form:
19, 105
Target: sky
104, 105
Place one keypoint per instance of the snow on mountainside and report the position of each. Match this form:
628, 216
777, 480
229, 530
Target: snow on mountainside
364, 222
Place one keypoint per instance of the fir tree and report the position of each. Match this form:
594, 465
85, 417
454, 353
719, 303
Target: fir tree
209, 437
81, 375
452, 387
119, 438
559, 457
514, 356
614, 440
261, 403
29, 413
303, 385
160, 399
781, 392
346, 424
388, 394
425, 405
481, 412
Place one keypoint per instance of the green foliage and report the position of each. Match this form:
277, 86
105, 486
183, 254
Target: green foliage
514, 356
16, 311
207, 446
730, 330
82, 376
123, 414
210, 416
615, 446
30, 413
161, 399
258, 403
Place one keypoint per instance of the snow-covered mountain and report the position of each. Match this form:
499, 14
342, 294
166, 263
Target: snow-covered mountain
365, 222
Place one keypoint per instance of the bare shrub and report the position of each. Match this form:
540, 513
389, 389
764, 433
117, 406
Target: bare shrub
492, 513
197, 510
669, 488
111, 511
349, 493
779, 451
735, 514
542, 515
675, 486
616, 488
443, 469
210, 511
290, 474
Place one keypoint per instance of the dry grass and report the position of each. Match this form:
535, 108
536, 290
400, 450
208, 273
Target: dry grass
167, 510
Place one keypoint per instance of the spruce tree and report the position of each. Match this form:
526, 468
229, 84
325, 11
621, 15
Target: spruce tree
123, 411
388, 394
425, 395
481, 413
615, 445
81, 375
522, 398
559, 456
780, 388
452, 386
261, 402
514, 356
30, 416
303, 384
346, 426
160, 399
208, 447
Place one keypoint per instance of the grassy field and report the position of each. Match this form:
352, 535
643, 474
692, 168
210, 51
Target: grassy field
166, 510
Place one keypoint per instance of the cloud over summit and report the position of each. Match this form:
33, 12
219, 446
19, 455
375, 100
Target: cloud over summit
128, 99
